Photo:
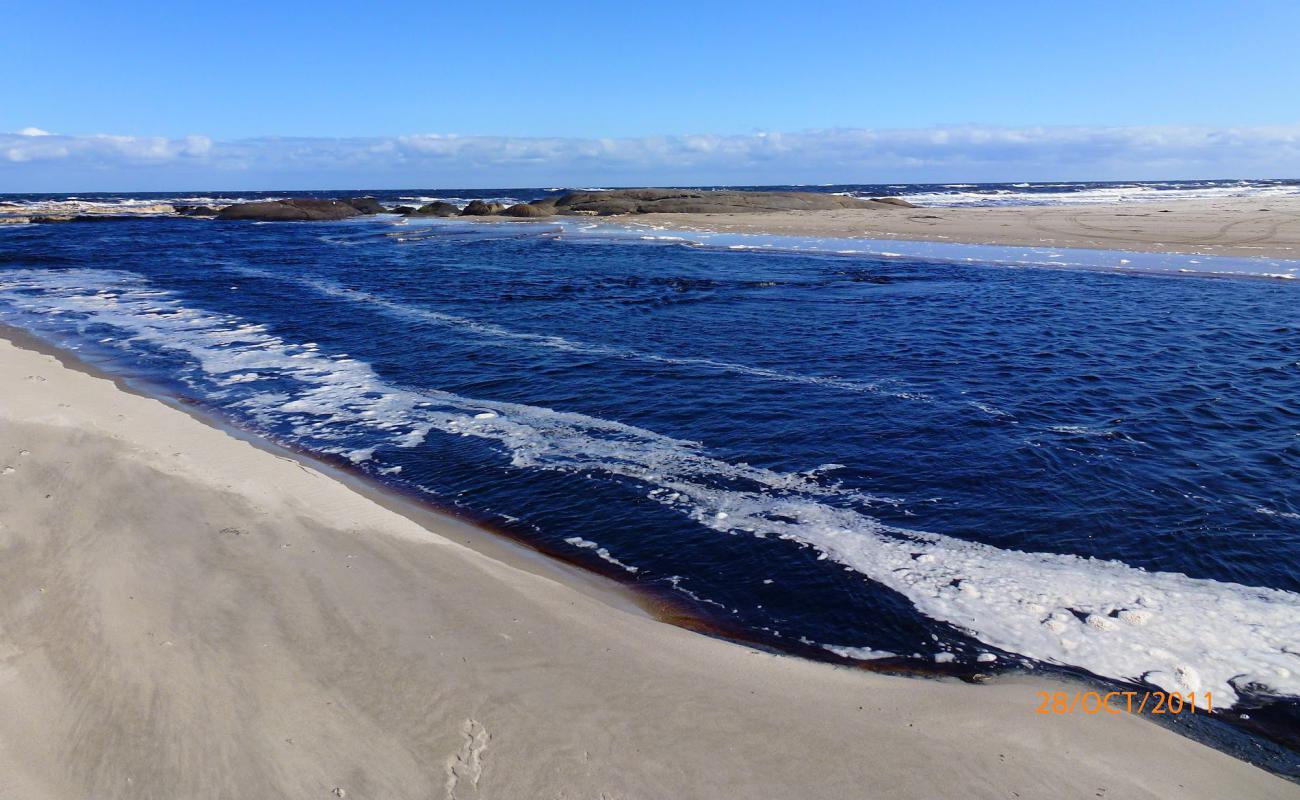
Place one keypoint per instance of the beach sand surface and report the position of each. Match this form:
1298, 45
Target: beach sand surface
184, 614
1238, 226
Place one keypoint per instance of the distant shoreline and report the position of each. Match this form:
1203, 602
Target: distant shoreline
1235, 226
1252, 226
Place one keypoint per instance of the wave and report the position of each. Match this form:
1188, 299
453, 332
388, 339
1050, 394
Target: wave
120, 206
1025, 194
1113, 620
456, 200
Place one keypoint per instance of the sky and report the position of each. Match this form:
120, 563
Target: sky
257, 95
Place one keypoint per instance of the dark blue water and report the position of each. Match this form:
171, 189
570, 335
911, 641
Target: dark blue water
927, 463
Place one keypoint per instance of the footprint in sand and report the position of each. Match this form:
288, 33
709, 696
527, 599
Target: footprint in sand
7, 470
464, 769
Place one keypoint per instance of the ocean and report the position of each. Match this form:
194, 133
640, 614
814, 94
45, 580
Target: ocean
924, 461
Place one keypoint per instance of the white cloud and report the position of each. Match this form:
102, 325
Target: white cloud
33, 145
951, 153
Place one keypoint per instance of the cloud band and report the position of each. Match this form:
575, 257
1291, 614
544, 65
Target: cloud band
33, 156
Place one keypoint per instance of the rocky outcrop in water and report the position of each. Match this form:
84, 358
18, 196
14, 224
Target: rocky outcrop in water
479, 208
530, 210
196, 211
608, 203
438, 208
706, 201
366, 205
296, 209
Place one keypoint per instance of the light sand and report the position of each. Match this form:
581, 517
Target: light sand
1265, 227
186, 615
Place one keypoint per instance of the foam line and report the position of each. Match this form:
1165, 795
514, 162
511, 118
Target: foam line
1165, 629
490, 330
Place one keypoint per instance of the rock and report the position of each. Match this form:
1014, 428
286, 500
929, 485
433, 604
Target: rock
478, 208
366, 205
437, 209
529, 210
196, 211
290, 210
894, 201
706, 201
404, 210
598, 203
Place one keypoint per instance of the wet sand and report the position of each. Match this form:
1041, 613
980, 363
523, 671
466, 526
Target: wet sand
185, 614
1263, 227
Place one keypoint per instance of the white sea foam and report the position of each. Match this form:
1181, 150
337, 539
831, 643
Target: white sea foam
1270, 512
459, 202
491, 330
1076, 194
125, 206
587, 544
1112, 619
859, 653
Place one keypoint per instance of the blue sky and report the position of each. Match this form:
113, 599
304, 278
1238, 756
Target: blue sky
294, 94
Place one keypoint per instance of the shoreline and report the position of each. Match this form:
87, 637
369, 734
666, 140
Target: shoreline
1255, 228
478, 535
596, 579
75, 653
1238, 226
609, 586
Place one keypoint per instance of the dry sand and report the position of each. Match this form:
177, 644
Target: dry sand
1265, 227
186, 615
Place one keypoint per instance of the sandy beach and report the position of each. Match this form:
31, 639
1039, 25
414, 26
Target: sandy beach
185, 614
1235, 226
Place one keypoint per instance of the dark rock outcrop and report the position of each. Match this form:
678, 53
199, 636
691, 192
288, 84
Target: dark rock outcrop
530, 210
478, 208
366, 205
438, 208
296, 209
196, 211
702, 201
608, 203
